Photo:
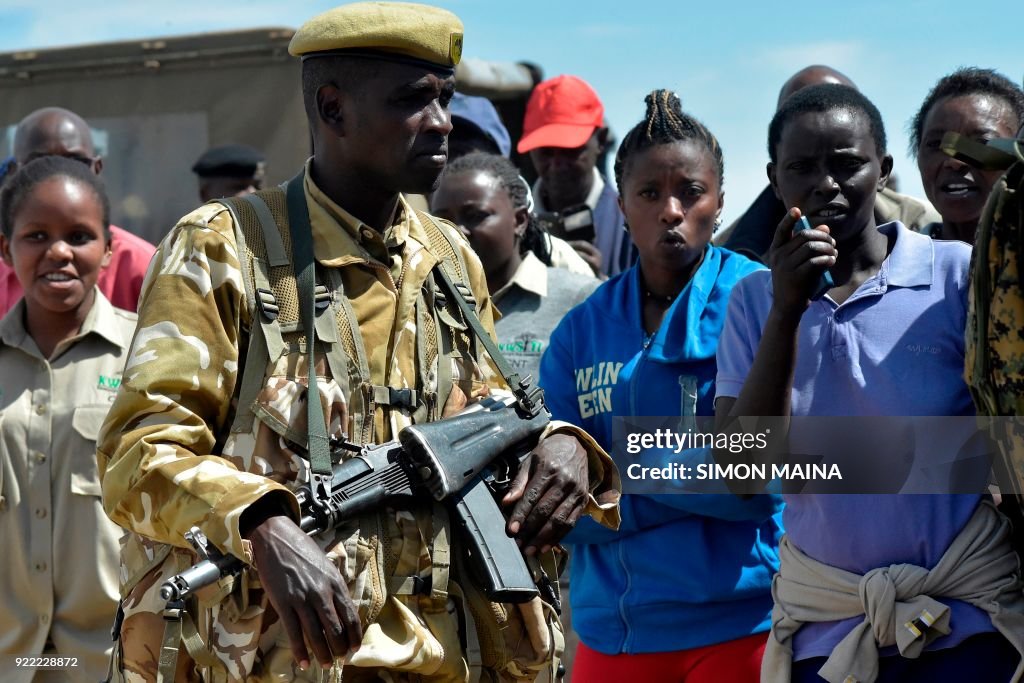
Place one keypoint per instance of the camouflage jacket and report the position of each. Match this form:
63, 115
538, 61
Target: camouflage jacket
169, 458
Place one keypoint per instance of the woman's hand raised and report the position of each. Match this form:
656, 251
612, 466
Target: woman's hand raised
797, 260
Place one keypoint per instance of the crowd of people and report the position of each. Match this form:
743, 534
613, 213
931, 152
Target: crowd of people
154, 390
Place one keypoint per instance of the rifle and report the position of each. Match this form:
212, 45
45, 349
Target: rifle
996, 297
466, 460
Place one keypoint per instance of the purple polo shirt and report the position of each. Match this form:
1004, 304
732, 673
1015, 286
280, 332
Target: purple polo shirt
896, 347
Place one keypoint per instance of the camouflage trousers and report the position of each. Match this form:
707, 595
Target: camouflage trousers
406, 636
135, 663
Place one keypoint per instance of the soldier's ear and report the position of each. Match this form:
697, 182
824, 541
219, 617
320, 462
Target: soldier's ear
329, 100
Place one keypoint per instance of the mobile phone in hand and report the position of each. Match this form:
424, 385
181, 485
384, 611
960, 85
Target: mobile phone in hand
825, 282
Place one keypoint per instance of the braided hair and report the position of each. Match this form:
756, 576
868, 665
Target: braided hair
534, 237
665, 123
824, 98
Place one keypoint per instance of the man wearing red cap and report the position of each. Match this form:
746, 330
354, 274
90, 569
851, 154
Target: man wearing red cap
564, 134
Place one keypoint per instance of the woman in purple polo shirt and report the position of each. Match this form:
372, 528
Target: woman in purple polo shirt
887, 339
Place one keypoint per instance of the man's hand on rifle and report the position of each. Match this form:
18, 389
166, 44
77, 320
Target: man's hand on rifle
550, 493
306, 590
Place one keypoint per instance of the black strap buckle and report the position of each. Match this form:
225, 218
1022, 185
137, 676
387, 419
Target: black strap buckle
402, 398
422, 586
321, 297
267, 304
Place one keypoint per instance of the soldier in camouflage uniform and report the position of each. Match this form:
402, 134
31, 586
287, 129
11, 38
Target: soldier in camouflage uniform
193, 440
995, 314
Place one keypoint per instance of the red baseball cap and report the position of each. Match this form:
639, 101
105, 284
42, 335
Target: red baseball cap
562, 112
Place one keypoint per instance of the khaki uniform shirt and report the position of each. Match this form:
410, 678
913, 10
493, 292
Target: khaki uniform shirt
58, 568
169, 462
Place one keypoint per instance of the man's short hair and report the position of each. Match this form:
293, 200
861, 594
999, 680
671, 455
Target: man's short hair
824, 98
342, 71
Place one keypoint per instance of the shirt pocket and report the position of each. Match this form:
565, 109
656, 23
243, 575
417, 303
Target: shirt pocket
86, 422
281, 401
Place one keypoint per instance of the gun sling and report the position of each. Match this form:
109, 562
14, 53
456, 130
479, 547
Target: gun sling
318, 446
530, 398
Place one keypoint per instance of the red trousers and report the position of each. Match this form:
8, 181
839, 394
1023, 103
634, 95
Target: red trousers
736, 661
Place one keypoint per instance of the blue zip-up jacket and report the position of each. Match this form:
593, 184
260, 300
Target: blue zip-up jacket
685, 570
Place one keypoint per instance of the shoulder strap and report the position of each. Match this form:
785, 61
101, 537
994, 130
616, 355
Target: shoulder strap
444, 246
265, 341
529, 397
302, 250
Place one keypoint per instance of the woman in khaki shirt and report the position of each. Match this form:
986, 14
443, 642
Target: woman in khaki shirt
62, 349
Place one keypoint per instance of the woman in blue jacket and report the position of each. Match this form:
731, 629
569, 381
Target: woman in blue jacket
681, 592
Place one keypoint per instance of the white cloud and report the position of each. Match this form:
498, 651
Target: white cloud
794, 57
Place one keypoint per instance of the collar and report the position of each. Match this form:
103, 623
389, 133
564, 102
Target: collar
531, 276
911, 261
693, 323
356, 241
101, 321
592, 199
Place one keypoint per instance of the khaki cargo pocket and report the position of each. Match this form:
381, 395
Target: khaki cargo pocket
86, 421
281, 401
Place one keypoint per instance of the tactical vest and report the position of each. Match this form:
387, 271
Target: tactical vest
265, 255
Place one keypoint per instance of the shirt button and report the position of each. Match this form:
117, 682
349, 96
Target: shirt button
40, 566
39, 456
45, 618
40, 513
41, 409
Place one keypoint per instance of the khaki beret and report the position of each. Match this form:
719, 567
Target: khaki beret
396, 31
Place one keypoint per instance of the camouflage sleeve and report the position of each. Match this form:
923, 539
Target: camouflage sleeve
156, 451
605, 485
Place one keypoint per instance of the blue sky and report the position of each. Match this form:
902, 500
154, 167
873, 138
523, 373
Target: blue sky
725, 59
